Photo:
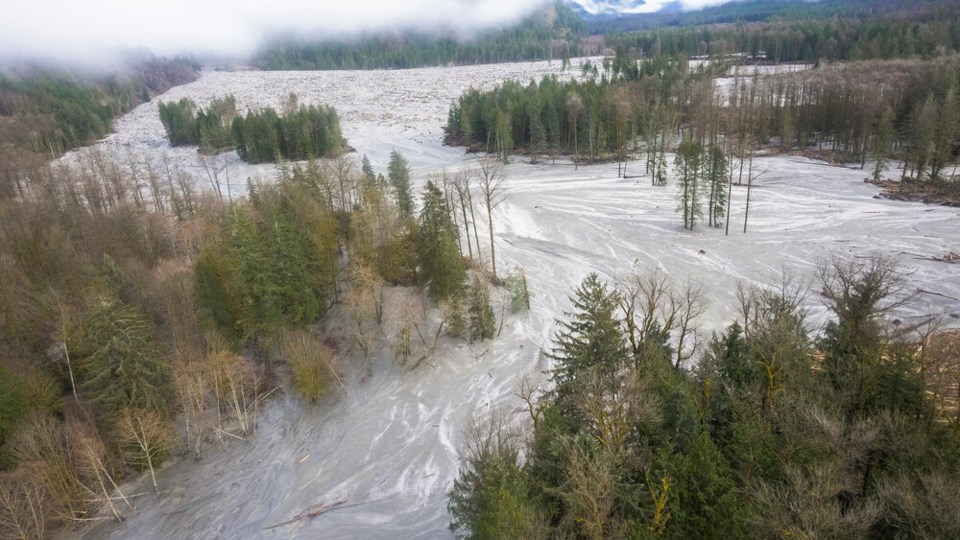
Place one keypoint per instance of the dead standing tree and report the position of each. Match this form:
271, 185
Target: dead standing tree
212, 170
463, 184
490, 178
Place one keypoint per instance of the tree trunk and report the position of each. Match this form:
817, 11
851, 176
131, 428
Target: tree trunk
493, 253
466, 223
473, 218
746, 212
729, 197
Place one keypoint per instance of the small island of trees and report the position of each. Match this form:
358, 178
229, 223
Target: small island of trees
302, 132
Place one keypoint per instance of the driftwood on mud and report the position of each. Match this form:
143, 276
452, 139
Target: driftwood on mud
309, 513
916, 192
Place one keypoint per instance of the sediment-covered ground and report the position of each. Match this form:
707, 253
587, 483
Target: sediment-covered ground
387, 446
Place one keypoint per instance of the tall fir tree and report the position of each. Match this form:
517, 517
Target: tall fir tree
367, 170
715, 175
399, 174
438, 255
688, 164
591, 342
121, 362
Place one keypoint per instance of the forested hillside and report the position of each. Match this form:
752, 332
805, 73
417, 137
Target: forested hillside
755, 11
924, 33
56, 110
45, 112
764, 31
550, 34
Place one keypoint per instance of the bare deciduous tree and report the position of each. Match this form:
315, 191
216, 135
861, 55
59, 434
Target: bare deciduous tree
145, 438
193, 383
313, 363
340, 169
490, 178
26, 504
590, 493
940, 366
98, 482
613, 412
651, 304
236, 384
212, 170
462, 183
532, 397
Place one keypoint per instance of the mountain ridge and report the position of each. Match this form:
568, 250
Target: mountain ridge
618, 8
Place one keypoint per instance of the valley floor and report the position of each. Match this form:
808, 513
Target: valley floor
388, 446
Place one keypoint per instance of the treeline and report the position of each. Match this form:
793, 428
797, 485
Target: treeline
46, 112
906, 110
58, 111
593, 120
752, 11
764, 31
302, 132
143, 314
852, 434
924, 33
552, 33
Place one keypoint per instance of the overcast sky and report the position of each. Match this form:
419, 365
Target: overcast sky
71, 29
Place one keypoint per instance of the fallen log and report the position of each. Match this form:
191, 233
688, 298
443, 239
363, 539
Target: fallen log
309, 513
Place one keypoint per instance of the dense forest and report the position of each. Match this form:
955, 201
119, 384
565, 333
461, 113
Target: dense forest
754, 11
262, 136
772, 434
902, 35
761, 31
551, 34
45, 112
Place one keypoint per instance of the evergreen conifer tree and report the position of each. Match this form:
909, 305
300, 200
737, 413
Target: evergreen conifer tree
441, 265
367, 170
715, 175
455, 316
399, 173
592, 340
122, 365
688, 163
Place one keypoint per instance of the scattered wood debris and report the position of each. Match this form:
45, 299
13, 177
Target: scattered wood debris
310, 513
950, 258
916, 192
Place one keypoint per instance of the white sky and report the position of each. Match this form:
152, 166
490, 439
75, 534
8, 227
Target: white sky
85, 29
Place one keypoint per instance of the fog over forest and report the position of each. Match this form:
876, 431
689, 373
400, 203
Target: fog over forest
76, 30
94, 30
